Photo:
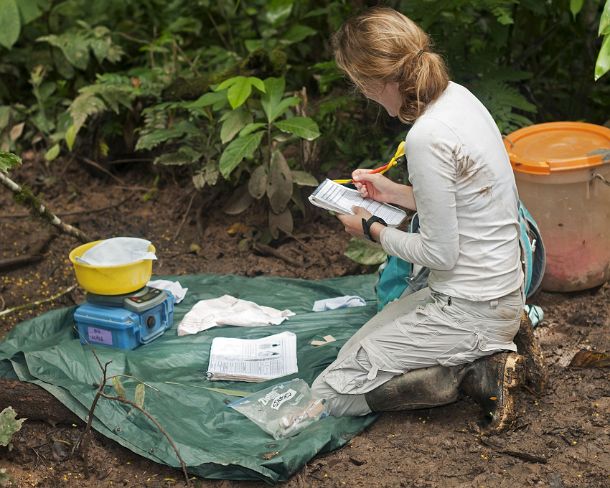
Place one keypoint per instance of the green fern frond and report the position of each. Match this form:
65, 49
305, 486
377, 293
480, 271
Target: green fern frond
502, 100
77, 44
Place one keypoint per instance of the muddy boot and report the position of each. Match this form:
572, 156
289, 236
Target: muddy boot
536, 375
490, 382
420, 388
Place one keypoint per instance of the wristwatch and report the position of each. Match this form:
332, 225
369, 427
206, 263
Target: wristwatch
366, 226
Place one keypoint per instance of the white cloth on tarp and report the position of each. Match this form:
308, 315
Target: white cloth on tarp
338, 302
116, 251
174, 287
228, 310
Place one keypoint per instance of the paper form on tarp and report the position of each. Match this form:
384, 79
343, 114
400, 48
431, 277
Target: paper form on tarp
338, 198
253, 360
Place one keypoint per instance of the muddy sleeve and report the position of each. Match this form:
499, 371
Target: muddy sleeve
430, 149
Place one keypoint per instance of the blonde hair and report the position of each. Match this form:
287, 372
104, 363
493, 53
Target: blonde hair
383, 45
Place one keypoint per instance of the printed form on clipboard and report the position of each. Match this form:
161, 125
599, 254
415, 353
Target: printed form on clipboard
337, 198
253, 360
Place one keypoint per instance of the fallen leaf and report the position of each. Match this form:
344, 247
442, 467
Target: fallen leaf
590, 359
238, 228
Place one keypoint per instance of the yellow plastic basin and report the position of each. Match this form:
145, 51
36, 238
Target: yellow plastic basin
111, 280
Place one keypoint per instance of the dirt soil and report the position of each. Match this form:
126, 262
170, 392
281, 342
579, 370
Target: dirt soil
561, 440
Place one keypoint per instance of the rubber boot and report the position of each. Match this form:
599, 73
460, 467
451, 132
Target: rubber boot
536, 375
420, 388
490, 383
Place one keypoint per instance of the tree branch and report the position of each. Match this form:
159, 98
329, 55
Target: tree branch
83, 440
38, 302
24, 196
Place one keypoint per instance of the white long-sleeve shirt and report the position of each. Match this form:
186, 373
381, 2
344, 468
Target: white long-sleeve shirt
466, 199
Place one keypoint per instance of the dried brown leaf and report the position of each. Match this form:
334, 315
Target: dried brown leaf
279, 186
590, 359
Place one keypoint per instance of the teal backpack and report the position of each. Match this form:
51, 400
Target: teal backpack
396, 276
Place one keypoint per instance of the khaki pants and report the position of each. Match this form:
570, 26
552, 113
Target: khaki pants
418, 331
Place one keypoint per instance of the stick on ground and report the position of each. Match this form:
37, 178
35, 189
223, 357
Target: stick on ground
25, 196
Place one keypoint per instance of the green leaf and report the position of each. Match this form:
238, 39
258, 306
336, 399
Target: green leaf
303, 127
158, 136
283, 106
237, 150
248, 129
274, 91
210, 173
104, 49
229, 82
207, 176
257, 83
234, 121
257, 185
139, 395
278, 11
297, 33
9, 425
239, 91
81, 108
303, 178
602, 65
604, 22
240, 88
282, 221
31, 9
254, 44
73, 45
8, 161
239, 201
206, 100
5, 116
279, 186
297, 199
185, 155
10, 23
576, 6
118, 387
503, 15
71, 133
52, 153
363, 252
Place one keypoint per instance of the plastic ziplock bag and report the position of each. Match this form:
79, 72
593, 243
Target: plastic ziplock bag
282, 410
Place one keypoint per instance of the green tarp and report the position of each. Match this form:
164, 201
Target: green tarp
214, 440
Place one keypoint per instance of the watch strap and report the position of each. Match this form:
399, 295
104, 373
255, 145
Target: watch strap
366, 226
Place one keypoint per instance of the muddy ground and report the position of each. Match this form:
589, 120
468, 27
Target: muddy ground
561, 440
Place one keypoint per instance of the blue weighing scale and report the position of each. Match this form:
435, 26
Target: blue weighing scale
125, 321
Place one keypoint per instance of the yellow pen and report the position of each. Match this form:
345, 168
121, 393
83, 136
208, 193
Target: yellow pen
400, 152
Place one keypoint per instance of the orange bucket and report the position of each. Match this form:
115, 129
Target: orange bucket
566, 187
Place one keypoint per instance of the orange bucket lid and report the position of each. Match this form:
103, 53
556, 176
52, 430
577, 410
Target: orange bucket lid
556, 146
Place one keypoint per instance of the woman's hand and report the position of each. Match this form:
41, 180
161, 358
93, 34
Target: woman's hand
353, 223
382, 189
